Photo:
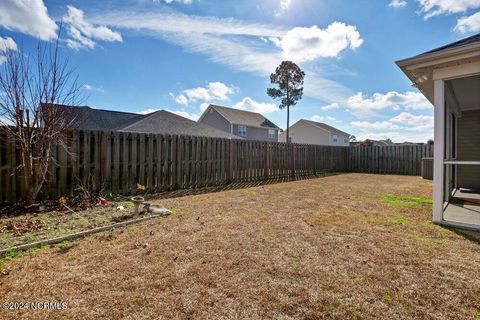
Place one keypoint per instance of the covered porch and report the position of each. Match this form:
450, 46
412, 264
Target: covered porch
450, 78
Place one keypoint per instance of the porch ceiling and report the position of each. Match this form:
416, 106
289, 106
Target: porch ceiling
467, 92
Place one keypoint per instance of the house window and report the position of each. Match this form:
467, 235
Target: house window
242, 131
335, 138
271, 134
345, 140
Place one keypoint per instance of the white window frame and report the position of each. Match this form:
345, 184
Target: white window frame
240, 132
334, 138
271, 134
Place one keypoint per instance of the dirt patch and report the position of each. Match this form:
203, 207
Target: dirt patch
314, 249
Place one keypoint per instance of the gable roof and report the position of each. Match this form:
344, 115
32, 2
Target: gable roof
419, 68
158, 122
242, 117
170, 123
96, 119
326, 127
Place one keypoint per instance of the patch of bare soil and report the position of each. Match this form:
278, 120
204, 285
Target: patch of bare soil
328, 248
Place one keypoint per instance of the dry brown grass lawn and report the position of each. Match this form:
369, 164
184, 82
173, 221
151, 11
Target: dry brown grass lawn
311, 249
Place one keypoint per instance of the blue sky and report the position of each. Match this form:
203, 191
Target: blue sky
181, 55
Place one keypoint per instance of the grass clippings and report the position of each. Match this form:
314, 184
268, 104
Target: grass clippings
314, 249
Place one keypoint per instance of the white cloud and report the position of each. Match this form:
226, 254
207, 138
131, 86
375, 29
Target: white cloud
214, 91
396, 136
29, 17
306, 44
249, 104
331, 106
89, 87
223, 41
83, 33
415, 122
361, 105
431, 8
397, 3
178, 1
377, 125
191, 116
402, 127
318, 118
150, 110
182, 113
468, 24
163, 23
284, 5
181, 99
7, 43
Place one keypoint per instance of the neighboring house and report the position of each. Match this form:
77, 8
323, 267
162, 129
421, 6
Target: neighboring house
311, 132
245, 124
382, 143
449, 77
162, 122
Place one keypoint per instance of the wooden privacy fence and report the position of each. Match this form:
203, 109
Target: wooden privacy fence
401, 159
117, 161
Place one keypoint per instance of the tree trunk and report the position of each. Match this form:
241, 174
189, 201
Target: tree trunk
288, 124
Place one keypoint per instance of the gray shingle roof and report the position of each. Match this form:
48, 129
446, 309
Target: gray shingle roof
456, 44
326, 127
242, 117
162, 122
95, 119
169, 123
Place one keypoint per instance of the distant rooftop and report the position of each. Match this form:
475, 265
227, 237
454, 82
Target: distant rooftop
160, 122
327, 127
242, 117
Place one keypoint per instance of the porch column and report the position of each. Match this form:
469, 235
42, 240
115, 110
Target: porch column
438, 155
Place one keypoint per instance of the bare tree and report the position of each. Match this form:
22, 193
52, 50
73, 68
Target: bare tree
33, 92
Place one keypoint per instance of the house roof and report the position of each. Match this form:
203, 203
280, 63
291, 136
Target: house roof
159, 122
463, 42
326, 127
169, 123
419, 68
96, 119
242, 117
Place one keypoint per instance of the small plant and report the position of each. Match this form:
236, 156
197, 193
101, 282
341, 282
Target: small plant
387, 297
400, 220
476, 314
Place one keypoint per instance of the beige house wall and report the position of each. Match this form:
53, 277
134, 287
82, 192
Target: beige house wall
254, 133
469, 148
216, 120
302, 132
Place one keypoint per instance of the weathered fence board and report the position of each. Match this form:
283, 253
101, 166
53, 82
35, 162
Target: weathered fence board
118, 161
